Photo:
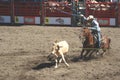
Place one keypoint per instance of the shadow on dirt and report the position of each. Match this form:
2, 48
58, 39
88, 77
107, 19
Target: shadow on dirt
78, 59
71, 59
75, 59
43, 65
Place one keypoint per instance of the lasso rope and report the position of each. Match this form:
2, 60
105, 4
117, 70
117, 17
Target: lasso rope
93, 48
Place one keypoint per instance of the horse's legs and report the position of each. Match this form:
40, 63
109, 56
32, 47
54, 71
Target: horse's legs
109, 45
92, 51
87, 53
104, 51
81, 55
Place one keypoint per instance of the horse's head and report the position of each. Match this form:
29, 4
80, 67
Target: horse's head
88, 35
86, 32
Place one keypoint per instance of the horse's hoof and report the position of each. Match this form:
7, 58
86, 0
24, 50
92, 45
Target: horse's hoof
98, 53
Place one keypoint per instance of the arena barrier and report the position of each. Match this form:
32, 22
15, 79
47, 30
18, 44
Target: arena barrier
5, 12
57, 13
28, 12
119, 15
104, 12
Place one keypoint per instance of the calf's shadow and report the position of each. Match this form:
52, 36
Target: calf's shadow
44, 65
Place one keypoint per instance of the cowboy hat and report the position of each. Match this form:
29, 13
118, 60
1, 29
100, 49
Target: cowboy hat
90, 17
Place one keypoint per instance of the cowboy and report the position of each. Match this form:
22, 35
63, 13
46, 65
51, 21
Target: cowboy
95, 28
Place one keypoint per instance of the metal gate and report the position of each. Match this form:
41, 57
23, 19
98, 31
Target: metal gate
119, 14
104, 12
5, 12
57, 13
28, 12
51, 12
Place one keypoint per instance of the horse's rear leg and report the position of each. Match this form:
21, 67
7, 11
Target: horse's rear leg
103, 53
90, 54
109, 45
81, 55
88, 51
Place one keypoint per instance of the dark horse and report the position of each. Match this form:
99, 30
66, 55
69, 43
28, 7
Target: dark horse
90, 43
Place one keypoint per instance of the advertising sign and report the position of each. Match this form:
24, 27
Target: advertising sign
103, 21
58, 20
19, 19
107, 21
27, 20
5, 19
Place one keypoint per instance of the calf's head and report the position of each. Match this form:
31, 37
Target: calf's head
55, 48
53, 55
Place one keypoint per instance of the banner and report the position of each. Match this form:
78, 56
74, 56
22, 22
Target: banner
27, 20
58, 20
5, 19
107, 21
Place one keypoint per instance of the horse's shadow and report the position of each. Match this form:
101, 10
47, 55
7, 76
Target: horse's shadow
79, 59
75, 59
43, 65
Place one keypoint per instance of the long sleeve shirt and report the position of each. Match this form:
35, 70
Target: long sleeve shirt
83, 20
95, 25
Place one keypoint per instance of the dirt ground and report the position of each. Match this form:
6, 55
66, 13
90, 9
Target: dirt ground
24, 50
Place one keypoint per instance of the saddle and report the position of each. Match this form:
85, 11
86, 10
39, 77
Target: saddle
95, 37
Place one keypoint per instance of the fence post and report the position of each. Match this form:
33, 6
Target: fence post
43, 4
12, 12
73, 12
117, 15
73, 23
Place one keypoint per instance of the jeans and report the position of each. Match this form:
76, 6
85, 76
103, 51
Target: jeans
98, 33
99, 39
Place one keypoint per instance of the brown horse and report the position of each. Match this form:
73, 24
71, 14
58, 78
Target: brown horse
89, 42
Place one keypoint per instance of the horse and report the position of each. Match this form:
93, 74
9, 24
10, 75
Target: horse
105, 44
89, 42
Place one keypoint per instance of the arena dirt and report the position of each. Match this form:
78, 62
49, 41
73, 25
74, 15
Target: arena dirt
24, 50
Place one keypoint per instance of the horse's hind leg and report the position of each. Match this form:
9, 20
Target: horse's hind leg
109, 45
103, 53
81, 55
90, 54
88, 51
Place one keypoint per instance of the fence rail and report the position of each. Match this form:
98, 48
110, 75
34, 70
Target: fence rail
101, 10
27, 9
105, 12
57, 13
5, 8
